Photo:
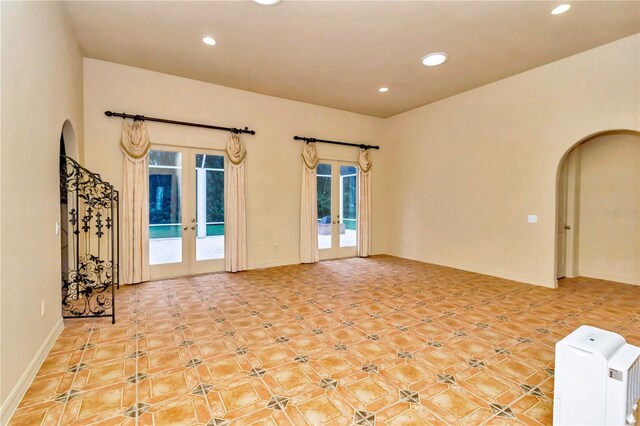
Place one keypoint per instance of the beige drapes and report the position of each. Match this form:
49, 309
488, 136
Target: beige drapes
235, 210
135, 203
309, 252
364, 204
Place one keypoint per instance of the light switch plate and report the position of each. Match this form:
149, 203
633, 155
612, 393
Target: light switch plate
533, 218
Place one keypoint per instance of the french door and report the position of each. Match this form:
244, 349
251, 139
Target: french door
186, 211
337, 209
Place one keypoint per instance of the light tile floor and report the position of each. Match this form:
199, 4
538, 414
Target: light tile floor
358, 341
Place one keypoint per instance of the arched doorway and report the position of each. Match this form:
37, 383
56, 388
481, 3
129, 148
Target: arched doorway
598, 197
68, 135
68, 147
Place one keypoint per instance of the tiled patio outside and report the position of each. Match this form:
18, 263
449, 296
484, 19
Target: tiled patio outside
348, 239
168, 250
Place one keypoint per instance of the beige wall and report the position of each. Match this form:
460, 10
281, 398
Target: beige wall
609, 202
469, 169
455, 181
273, 170
41, 88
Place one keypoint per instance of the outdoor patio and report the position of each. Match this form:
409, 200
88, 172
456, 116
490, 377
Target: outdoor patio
348, 239
169, 250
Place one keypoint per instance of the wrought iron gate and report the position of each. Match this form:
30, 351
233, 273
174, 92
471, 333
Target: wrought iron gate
90, 270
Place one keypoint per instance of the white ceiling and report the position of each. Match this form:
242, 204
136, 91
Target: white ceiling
338, 53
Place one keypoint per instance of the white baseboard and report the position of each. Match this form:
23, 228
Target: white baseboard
13, 399
484, 271
478, 270
274, 263
607, 277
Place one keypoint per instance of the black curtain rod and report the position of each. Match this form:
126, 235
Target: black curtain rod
359, 145
182, 123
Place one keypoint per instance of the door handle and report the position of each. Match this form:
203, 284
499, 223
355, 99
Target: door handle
567, 227
334, 222
184, 228
193, 227
193, 220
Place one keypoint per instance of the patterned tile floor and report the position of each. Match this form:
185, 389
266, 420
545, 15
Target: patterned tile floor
358, 341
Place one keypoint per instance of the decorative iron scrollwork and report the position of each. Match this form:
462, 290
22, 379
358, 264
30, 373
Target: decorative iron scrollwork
91, 258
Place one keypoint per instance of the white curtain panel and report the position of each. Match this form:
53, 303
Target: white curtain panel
235, 206
135, 203
309, 252
364, 204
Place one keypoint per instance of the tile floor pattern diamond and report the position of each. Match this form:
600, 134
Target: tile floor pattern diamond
446, 378
409, 396
135, 378
370, 368
257, 372
502, 411
278, 403
77, 367
475, 363
136, 410
202, 389
303, 359
364, 418
328, 384
531, 390
67, 396
440, 346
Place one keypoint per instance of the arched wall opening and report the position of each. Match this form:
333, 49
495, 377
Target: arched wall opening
68, 140
69, 148
597, 232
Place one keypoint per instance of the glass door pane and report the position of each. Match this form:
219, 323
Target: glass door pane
165, 207
209, 206
324, 205
186, 211
206, 216
348, 206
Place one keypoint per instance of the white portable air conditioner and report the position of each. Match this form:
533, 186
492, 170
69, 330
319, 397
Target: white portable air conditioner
597, 379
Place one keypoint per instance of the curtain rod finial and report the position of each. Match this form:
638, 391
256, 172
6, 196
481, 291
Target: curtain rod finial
108, 113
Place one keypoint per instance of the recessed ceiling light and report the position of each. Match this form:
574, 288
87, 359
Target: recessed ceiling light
267, 2
383, 89
560, 9
433, 59
209, 40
